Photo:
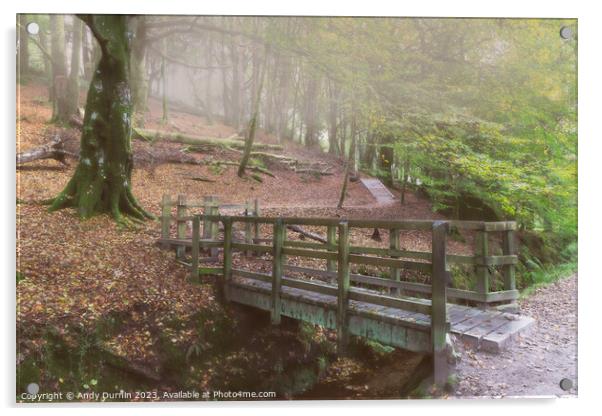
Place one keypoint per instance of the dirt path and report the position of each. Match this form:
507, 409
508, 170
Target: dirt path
535, 364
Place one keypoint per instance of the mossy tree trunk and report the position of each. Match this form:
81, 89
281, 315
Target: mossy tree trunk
102, 180
250, 134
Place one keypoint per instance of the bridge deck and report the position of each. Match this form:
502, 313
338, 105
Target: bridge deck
490, 330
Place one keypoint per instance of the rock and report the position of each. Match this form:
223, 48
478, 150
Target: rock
453, 357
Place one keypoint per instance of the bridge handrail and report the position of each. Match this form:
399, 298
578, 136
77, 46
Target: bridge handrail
483, 260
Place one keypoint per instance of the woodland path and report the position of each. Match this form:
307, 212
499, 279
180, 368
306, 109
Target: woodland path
535, 363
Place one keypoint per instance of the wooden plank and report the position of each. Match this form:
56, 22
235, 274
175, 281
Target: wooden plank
504, 295
500, 226
188, 242
488, 323
414, 305
509, 249
310, 271
465, 294
390, 252
495, 260
471, 322
384, 262
459, 313
231, 206
439, 302
317, 221
256, 248
315, 254
278, 263
343, 288
307, 244
387, 224
401, 285
263, 277
331, 237
499, 339
227, 278
181, 225
317, 287
196, 229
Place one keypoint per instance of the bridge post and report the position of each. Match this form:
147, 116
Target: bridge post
207, 211
227, 258
214, 226
181, 213
509, 247
165, 218
194, 264
277, 266
483, 273
248, 227
256, 212
439, 325
394, 245
331, 238
343, 286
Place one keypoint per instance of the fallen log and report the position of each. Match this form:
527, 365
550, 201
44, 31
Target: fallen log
307, 234
192, 141
230, 163
54, 149
314, 172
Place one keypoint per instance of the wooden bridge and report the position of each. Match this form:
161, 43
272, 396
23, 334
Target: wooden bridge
358, 304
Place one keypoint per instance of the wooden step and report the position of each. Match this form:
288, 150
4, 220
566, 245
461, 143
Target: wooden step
378, 190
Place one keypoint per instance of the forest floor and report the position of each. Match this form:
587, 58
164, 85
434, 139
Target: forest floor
73, 274
538, 361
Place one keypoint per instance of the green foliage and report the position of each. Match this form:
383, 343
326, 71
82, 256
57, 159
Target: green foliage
484, 111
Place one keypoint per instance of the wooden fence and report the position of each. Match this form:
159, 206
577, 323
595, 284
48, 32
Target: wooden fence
392, 258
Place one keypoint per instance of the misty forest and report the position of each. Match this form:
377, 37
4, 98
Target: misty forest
316, 207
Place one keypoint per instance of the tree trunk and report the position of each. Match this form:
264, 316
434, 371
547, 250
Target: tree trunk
404, 183
253, 122
164, 82
333, 144
138, 71
102, 179
73, 87
349, 165
60, 103
311, 112
209, 83
235, 85
23, 47
44, 42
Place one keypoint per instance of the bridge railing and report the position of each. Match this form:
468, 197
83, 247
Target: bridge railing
486, 267
338, 255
